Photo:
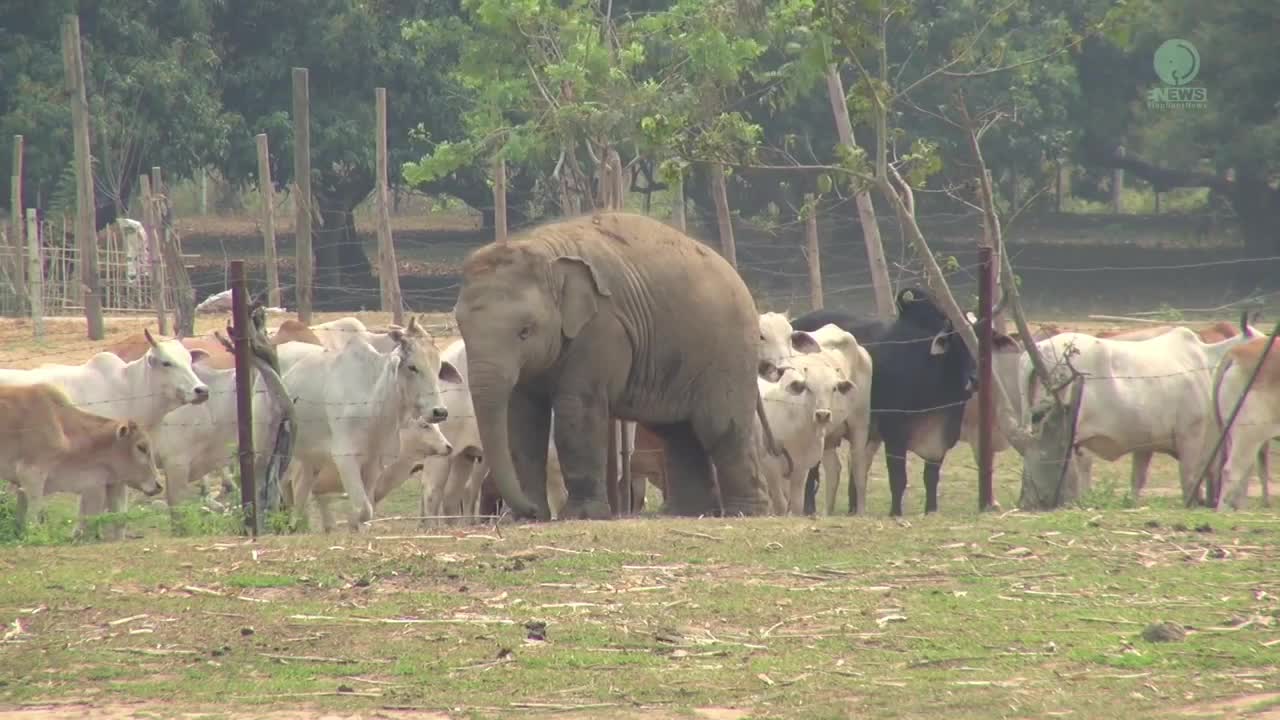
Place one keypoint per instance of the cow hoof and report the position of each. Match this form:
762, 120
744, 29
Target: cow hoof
585, 510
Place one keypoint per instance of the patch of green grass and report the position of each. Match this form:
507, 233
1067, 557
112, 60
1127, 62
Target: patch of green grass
260, 581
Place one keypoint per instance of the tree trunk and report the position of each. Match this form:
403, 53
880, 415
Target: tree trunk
340, 257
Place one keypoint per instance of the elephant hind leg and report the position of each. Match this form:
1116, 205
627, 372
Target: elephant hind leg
688, 472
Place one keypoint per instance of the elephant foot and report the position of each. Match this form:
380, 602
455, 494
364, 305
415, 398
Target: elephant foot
577, 509
745, 506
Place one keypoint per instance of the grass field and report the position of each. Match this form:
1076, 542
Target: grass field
960, 614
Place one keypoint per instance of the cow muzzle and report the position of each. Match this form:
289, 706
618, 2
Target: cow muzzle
199, 395
822, 417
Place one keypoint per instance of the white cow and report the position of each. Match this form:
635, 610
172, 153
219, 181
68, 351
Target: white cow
1139, 396
51, 446
1256, 424
195, 440
854, 363
144, 390
808, 400
335, 334
350, 405
448, 487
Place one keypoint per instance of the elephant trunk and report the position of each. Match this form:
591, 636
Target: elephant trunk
491, 398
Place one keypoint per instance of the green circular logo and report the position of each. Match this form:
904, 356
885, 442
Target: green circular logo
1177, 62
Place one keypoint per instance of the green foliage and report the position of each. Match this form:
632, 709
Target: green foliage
151, 69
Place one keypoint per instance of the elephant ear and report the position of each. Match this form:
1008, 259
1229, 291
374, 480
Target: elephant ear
580, 285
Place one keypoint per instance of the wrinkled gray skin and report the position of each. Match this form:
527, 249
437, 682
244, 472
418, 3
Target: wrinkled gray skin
617, 314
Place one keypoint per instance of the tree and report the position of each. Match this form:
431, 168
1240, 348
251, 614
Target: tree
150, 74
1231, 145
350, 47
556, 89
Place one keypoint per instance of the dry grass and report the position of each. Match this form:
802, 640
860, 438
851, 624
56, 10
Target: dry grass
960, 615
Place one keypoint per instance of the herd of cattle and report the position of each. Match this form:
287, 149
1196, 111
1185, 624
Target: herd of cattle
373, 408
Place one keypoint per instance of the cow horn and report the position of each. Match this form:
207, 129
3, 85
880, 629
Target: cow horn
146, 332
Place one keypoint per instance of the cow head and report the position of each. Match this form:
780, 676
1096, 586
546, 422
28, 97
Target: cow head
946, 349
419, 370
169, 364
778, 342
136, 464
816, 385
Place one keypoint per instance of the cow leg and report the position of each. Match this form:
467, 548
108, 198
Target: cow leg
324, 503
895, 460
811, 482
1264, 472
116, 503
30, 498
435, 482
350, 472
831, 469
176, 479
862, 449
932, 475
303, 481
1141, 470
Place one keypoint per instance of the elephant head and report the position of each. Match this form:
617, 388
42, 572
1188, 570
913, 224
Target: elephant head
518, 306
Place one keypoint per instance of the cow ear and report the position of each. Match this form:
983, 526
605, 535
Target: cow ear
580, 286
449, 373
198, 355
940, 343
803, 342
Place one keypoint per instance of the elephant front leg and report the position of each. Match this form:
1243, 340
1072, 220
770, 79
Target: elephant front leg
582, 438
529, 430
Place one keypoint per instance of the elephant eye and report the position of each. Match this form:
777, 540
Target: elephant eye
525, 332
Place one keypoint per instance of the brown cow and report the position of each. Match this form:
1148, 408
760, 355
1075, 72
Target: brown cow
52, 446
135, 346
1212, 333
294, 331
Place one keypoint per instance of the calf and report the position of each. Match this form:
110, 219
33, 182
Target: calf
450, 486
922, 376
808, 400
1140, 396
1256, 424
52, 446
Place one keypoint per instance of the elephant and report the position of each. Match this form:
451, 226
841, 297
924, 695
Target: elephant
613, 314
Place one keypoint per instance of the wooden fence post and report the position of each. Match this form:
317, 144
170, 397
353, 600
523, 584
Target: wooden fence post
86, 237
388, 270
720, 194
986, 397
14, 266
302, 192
267, 191
151, 222
35, 270
500, 200
813, 252
244, 396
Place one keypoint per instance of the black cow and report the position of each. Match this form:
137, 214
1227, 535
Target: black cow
922, 375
